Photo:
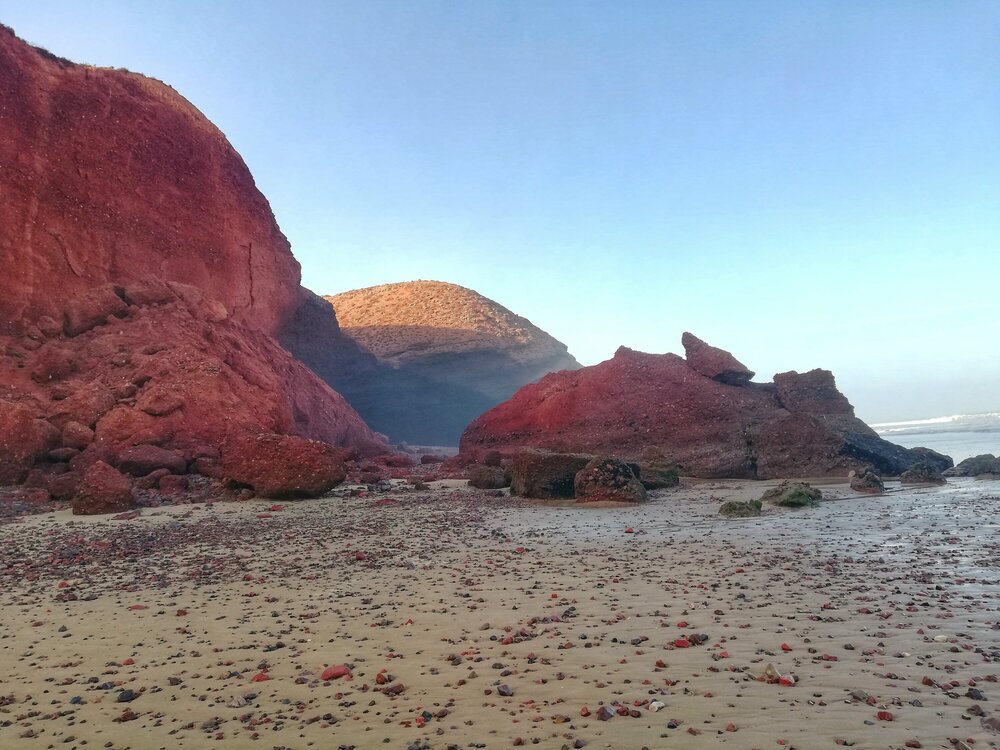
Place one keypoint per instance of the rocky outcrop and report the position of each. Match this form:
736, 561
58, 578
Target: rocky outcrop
282, 466
798, 426
932, 458
608, 479
144, 278
976, 466
443, 355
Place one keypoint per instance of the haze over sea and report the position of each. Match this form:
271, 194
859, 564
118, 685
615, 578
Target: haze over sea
959, 436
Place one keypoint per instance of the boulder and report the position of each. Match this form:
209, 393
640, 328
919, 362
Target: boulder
544, 475
932, 458
282, 466
52, 362
792, 495
866, 481
714, 363
139, 460
488, 478
608, 479
740, 508
922, 474
103, 489
430, 458
975, 466
76, 435
92, 308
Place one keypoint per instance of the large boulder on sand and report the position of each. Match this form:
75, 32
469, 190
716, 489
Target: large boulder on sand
488, 478
103, 489
545, 475
608, 479
740, 509
922, 474
792, 495
282, 466
140, 460
866, 481
975, 466
713, 362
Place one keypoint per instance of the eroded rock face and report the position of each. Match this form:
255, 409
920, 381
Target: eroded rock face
282, 466
608, 479
452, 353
103, 489
144, 277
798, 426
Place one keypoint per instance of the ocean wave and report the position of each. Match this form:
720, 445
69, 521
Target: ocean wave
985, 422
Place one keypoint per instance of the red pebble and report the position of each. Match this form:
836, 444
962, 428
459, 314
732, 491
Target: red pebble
335, 672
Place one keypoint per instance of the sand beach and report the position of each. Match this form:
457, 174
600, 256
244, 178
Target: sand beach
465, 618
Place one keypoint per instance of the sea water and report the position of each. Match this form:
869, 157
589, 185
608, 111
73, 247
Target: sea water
959, 436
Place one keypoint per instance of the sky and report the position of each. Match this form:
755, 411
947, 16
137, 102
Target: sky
806, 184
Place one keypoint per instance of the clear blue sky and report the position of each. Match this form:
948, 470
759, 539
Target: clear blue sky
807, 184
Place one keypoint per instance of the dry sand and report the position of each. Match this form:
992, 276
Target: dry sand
453, 593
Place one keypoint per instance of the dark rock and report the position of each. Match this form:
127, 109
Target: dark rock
866, 481
488, 478
922, 474
543, 475
932, 458
608, 479
792, 495
740, 509
975, 466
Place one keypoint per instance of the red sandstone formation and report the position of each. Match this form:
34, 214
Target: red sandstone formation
800, 425
282, 466
144, 276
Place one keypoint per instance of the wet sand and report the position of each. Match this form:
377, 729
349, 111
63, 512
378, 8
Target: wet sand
470, 620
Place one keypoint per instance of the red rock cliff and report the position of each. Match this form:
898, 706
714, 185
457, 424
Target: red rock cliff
143, 278
109, 176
